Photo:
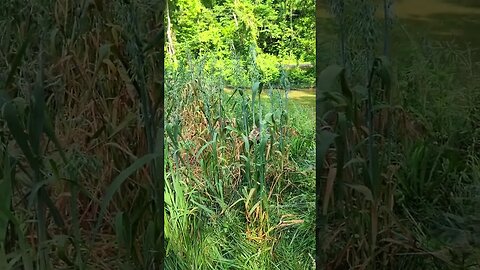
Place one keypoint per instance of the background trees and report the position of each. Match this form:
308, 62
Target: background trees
280, 32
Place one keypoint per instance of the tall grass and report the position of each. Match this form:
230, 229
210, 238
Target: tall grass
80, 115
239, 199
397, 157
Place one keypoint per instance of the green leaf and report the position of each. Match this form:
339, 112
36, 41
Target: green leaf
34, 192
49, 131
382, 69
115, 185
5, 196
327, 81
57, 217
120, 228
14, 124
200, 151
19, 56
37, 114
324, 139
103, 52
203, 207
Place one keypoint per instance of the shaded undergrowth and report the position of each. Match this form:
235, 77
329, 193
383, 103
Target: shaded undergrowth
401, 159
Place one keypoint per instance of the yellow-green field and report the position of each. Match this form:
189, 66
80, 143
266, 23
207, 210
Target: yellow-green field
302, 96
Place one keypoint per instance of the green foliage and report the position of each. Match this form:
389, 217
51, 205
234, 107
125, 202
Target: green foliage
301, 77
279, 30
225, 163
46, 176
404, 158
268, 65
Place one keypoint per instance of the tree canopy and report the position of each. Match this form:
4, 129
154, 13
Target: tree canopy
281, 32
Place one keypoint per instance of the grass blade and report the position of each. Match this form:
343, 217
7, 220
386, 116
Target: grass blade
115, 185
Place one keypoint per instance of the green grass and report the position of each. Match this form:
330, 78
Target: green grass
75, 194
245, 204
305, 97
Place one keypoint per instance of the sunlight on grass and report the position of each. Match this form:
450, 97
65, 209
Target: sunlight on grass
303, 97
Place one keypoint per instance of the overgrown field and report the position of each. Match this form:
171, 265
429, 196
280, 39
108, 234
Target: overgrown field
80, 95
81, 92
240, 183
400, 145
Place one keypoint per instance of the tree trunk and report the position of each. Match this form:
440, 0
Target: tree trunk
170, 48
